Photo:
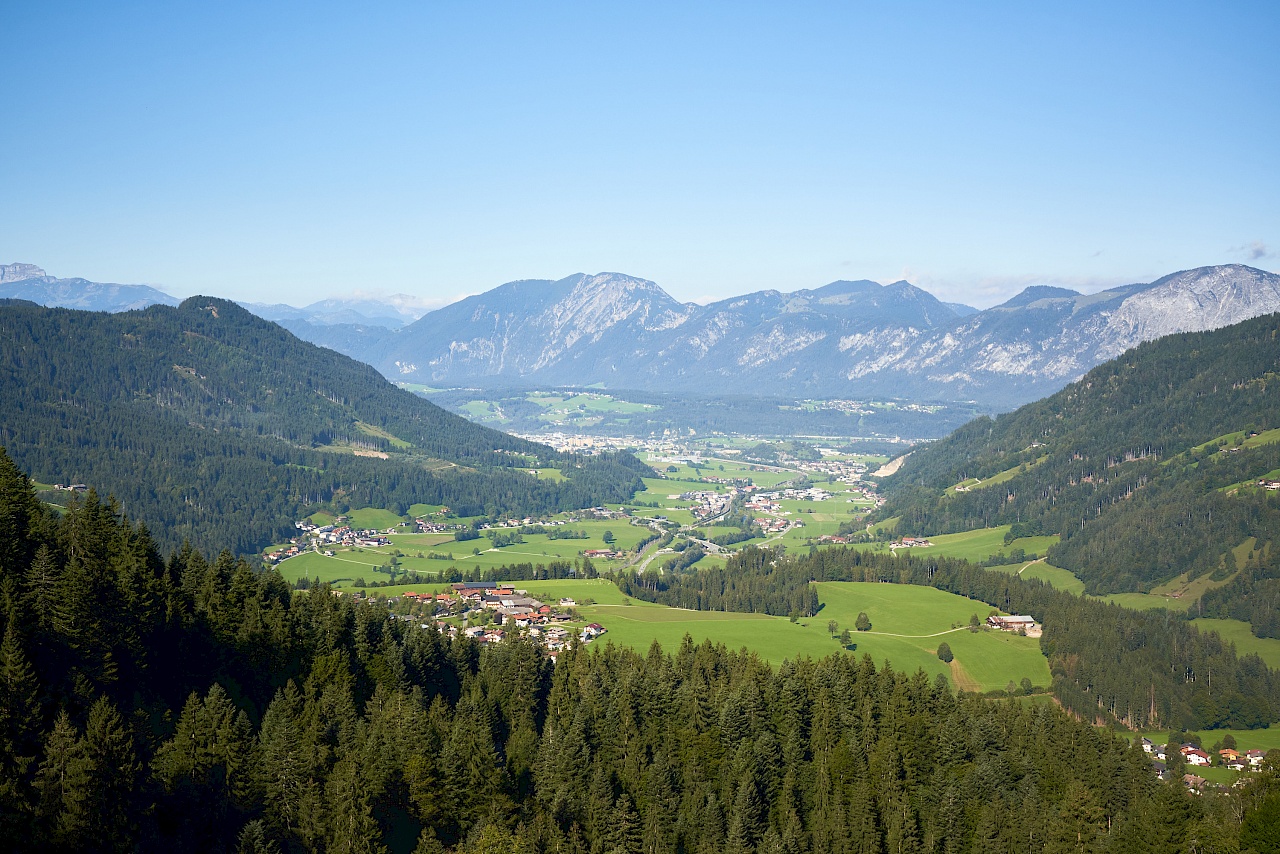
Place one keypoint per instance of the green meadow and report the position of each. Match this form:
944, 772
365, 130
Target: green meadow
1239, 633
1054, 576
907, 624
346, 565
375, 519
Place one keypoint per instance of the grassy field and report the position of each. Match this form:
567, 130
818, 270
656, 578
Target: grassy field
1239, 633
343, 567
350, 564
1006, 475
373, 518
1146, 601
976, 545
908, 622
1062, 579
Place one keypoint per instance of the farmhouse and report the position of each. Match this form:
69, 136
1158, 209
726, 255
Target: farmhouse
1011, 623
1194, 755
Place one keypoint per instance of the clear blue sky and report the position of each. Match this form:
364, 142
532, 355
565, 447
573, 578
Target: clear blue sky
288, 152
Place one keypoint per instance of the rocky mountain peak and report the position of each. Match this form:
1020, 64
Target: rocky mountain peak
597, 303
20, 272
1192, 301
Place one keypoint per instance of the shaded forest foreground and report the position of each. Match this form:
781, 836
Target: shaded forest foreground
188, 704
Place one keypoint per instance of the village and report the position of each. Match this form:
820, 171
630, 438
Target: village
1193, 756
491, 612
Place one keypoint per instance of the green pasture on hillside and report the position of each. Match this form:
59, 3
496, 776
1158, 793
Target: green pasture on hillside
990, 660
1001, 477
373, 518
906, 622
1054, 576
348, 566
1239, 633
536, 549
1146, 601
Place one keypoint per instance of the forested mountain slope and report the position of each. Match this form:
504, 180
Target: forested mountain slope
211, 424
193, 705
1117, 463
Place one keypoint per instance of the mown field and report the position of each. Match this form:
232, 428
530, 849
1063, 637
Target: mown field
976, 545
1239, 633
346, 565
908, 623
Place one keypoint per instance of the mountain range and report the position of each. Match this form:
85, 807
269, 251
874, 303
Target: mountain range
847, 338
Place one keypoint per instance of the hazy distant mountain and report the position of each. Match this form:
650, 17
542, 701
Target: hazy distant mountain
391, 312
373, 314
847, 338
29, 282
961, 309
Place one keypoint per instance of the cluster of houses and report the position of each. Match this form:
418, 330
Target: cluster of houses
71, 487
1235, 760
706, 502
774, 525
512, 608
426, 526
844, 471
317, 537
1019, 623
910, 543
1269, 484
808, 493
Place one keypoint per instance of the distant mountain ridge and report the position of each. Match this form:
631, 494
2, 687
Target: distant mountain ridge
845, 339
29, 282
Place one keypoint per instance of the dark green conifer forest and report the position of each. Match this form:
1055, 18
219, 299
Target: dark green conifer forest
194, 704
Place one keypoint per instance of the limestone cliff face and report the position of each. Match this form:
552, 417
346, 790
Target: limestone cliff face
19, 273
848, 338
1191, 301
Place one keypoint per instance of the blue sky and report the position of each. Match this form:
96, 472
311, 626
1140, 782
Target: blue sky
290, 152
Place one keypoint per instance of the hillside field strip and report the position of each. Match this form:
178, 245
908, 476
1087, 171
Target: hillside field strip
412, 551
908, 623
